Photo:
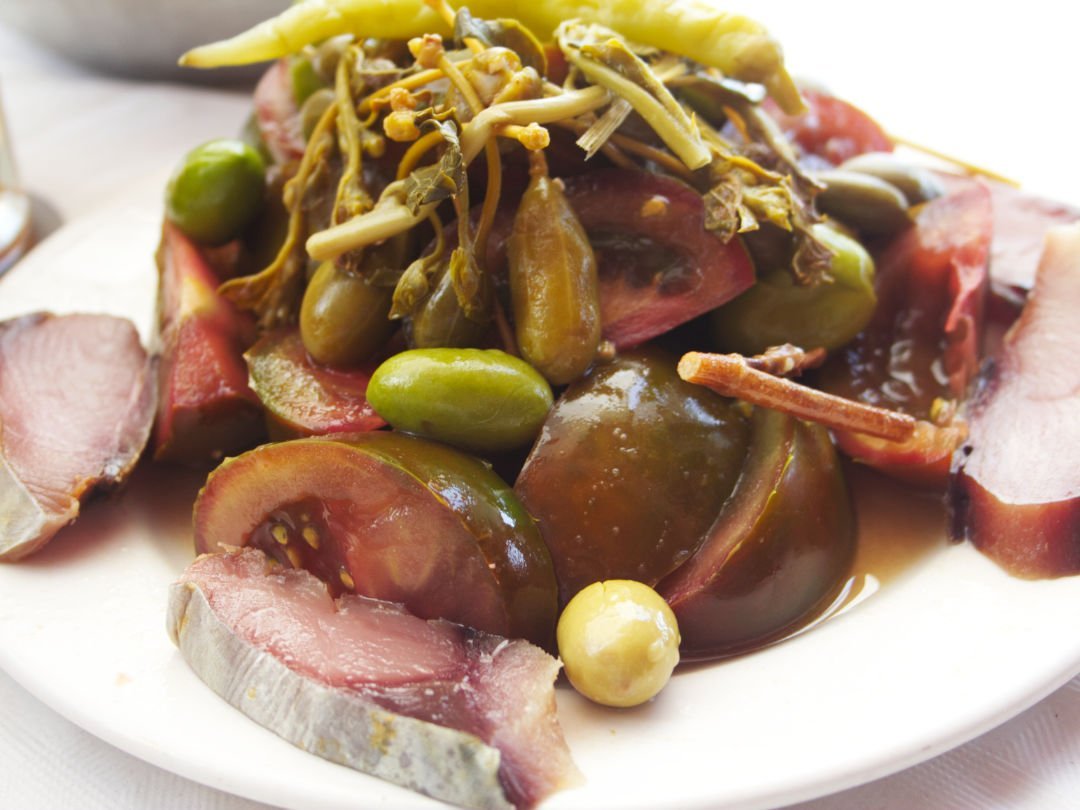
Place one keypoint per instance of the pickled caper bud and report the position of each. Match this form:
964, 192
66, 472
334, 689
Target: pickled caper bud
440, 320
481, 400
304, 78
313, 108
343, 318
776, 310
216, 191
553, 283
619, 642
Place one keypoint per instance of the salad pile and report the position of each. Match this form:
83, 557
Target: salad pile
499, 234
562, 326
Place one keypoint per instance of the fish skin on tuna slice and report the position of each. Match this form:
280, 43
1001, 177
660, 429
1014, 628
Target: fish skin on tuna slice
76, 407
1015, 486
455, 713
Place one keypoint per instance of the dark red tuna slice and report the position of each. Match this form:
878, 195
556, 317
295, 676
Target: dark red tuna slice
1015, 489
460, 715
205, 408
303, 398
658, 265
76, 406
922, 347
1020, 224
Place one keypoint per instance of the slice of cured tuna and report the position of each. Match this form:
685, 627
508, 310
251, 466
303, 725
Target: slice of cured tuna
457, 714
1015, 490
76, 406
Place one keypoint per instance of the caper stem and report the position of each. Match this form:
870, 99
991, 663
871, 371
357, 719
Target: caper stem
390, 216
417, 149
408, 83
732, 376
539, 111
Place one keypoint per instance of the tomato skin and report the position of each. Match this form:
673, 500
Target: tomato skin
634, 218
205, 408
778, 550
630, 470
831, 128
393, 517
303, 398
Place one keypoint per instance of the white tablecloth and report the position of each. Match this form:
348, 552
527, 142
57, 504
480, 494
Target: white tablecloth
82, 138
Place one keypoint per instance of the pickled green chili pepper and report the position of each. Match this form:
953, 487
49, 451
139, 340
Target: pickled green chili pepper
735, 44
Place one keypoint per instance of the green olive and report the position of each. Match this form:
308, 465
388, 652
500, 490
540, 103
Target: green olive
776, 310
216, 191
619, 642
343, 318
481, 400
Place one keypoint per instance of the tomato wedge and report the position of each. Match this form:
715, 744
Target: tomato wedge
392, 517
306, 399
658, 265
831, 128
277, 115
205, 408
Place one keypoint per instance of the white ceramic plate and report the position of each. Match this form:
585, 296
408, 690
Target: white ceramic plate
938, 646
946, 648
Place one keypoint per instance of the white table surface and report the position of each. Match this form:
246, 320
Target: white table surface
82, 138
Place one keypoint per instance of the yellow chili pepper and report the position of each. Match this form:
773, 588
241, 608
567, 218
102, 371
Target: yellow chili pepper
737, 45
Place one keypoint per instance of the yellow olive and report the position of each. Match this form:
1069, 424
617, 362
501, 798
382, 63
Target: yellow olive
619, 642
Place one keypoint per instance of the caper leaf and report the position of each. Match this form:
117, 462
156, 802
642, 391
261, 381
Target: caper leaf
442, 179
609, 61
501, 33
